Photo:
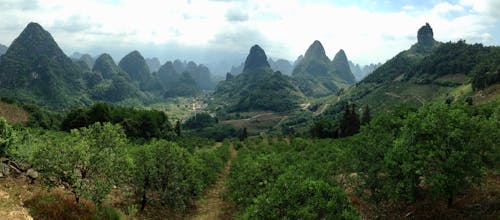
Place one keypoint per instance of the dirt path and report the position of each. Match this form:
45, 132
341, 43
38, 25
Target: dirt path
12, 193
212, 205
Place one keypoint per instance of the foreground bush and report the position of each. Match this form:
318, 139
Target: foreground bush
88, 162
58, 206
292, 197
173, 173
437, 152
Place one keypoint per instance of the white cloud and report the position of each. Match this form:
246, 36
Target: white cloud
445, 8
408, 7
283, 28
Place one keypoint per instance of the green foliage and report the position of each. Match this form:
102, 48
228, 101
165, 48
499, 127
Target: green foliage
88, 162
145, 124
218, 132
194, 142
174, 173
6, 136
488, 71
439, 150
452, 58
366, 117
325, 127
243, 134
295, 198
281, 181
200, 120
349, 124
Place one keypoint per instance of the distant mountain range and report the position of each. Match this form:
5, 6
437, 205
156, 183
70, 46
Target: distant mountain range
35, 69
361, 71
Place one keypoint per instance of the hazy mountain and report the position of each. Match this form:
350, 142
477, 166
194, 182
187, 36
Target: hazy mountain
108, 82
297, 61
135, 65
341, 67
3, 49
189, 82
106, 66
185, 85
167, 74
36, 69
199, 72
361, 71
257, 87
153, 64
87, 59
236, 70
316, 75
282, 65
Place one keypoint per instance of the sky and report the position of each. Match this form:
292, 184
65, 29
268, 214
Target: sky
220, 32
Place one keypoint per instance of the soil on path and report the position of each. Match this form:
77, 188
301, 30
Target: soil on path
212, 205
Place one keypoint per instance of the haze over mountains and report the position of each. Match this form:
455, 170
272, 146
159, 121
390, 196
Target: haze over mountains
35, 69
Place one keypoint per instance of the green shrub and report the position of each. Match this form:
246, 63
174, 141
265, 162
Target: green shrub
293, 197
6, 136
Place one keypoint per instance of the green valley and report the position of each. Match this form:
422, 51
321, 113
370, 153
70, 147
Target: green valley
149, 136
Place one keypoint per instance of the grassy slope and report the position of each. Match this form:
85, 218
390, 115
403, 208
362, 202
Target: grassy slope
13, 114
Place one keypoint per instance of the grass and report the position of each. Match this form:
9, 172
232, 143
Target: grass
57, 205
13, 114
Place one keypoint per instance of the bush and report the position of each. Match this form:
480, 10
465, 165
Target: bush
88, 162
293, 197
174, 173
6, 136
56, 205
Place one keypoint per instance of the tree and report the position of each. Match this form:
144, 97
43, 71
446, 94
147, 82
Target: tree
293, 197
6, 136
366, 118
349, 124
88, 162
178, 128
243, 134
325, 128
440, 151
169, 170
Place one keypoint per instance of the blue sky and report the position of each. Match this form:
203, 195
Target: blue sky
222, 31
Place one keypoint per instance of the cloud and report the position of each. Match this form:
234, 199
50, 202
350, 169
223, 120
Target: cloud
238, 38
236, 15
445, 8
74, 24
23, 5
486, 7
208, 29
408, 7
